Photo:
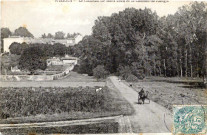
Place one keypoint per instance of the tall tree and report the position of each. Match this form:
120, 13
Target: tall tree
5, 33
44, 35
33, 58
59, 35
23, 32
49, 35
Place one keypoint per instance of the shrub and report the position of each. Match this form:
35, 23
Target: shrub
100, 72
131, 78
85, 67
124, 71
131, 73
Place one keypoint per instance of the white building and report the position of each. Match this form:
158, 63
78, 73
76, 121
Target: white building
8, 41
62, 61
78, 38
54, 61
67, 42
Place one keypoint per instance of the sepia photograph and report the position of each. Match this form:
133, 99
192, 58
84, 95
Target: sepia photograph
103, 67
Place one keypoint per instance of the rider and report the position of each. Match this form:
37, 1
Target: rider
141, 93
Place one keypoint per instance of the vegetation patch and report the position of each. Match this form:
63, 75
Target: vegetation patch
169, 92
70, 103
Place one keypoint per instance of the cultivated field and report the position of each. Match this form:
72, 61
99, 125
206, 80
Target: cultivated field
173, 91
53, 104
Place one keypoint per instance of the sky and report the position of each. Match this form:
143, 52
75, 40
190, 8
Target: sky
48, 16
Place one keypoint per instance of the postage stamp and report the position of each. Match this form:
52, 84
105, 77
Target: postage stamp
190, 119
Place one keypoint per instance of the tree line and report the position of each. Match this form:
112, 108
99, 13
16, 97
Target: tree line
60, 35
135, 43
49, 50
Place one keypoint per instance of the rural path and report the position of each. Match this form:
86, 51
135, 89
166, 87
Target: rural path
148, 118
51, 84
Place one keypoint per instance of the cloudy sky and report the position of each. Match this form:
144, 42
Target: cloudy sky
48, 16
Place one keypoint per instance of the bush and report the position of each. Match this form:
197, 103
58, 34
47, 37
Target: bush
85, 67
131, 78
100, 72
124, 71
131, 73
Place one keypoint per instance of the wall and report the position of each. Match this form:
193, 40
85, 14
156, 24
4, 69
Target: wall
36, 77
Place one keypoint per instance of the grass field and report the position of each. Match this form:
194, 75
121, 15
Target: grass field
19, 105
173, 91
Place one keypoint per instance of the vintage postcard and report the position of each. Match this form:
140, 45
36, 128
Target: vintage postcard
103, 67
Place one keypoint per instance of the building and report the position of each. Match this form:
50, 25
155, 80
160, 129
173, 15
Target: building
69, 60
67, 42
8, 41
62, 61
54, 61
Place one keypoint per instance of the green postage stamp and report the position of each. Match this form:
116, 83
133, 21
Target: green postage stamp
190, 119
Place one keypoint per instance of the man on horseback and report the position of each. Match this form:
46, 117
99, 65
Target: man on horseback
142, 96
141, 93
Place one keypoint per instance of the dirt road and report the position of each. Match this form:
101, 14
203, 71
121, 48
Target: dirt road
148, 118
51, 84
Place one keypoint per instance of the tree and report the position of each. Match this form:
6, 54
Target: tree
120, 40
100, 72
72, 35
49, 35
44, 35
59, 49
59, 35
33, 58
138, 40
23, 32
5, 33
17, 48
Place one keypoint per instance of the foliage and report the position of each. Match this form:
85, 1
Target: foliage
8, 61
49, 50
131, 78
44, 35
5, 33
168, 46
100, 72
23, 32
33, 58
17, 48
21, 102
72, 35
49, 35
59, 35
59, 49
131, 73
